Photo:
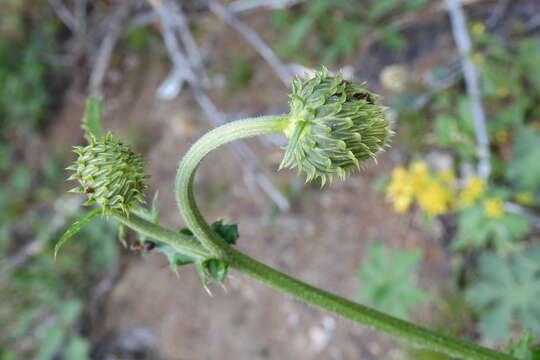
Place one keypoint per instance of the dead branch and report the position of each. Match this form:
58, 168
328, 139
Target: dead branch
254, 39
69, 20
184, 68
463, 42
103, 57
250, 5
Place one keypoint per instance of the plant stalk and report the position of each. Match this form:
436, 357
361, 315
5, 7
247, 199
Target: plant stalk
218, 248
188, 165
364, 315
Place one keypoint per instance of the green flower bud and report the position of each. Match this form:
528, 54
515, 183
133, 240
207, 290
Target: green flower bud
110, 174
334, 126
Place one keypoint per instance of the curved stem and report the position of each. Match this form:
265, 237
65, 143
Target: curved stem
187, 167
361, 314
218, 248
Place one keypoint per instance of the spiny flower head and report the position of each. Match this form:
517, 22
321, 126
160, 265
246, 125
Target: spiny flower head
334, 126
110, 174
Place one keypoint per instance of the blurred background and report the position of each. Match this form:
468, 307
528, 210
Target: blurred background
442, 230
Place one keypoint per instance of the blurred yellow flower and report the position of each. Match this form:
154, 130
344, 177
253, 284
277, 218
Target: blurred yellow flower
401, 204
474, 189
419, 175
525, 198
447, 176
478, 28
493, 208
435, 199
400, 190
501, 136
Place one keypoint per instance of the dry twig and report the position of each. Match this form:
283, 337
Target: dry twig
463, 42
249, 5
254, 39
65, 15
103, 57
184, 67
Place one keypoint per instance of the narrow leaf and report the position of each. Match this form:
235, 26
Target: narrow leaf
75, 228
92, 119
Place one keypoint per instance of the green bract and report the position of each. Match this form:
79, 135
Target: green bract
334, 126
110, 174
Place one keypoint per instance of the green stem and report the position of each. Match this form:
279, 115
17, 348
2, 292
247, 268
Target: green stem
218, 248
364, 315
187, 167
184, 243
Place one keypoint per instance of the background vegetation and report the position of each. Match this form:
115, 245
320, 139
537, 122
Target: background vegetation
486, 228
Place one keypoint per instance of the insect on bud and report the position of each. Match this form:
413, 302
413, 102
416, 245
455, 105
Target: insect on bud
110, 174
334, 126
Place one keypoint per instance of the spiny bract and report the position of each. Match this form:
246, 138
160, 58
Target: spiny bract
110, 174
334, 126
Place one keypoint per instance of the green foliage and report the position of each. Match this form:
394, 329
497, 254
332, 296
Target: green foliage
42, 302
508, 290
476, 230
139, 38
329, 30
523, 349
241, 72
456, 130
23, 93
387, 280
207, 269
42, 299
524, 169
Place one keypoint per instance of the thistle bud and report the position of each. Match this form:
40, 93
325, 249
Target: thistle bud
334, 126
110, 174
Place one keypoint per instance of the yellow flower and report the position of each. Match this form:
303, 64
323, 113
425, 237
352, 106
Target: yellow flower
400, 190
402, 204
435, 199
501, 136
493, 208
447, 176
525, 198
474, 189
478, 28
419, 176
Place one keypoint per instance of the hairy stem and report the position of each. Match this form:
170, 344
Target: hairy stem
187, 167
179, 241
364, 315
217, 247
